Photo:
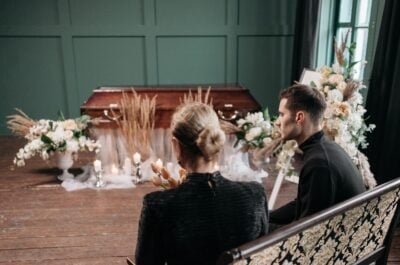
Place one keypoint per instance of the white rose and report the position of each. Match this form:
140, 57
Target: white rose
36, 144
335, 79
68, 135
267, 140
72, 145
70, 125
342, 86
334, 95
82, 141
240, 122
253, 133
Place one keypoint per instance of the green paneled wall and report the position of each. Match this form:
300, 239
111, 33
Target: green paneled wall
54, 52
206, 55
108, 61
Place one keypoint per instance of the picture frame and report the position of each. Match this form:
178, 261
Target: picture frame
310, 77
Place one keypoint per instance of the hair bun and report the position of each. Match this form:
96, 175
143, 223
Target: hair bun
210, 141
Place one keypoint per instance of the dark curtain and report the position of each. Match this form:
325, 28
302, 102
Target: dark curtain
383, 100
305, 36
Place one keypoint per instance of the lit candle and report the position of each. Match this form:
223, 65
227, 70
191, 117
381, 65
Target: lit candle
97, 165
136, 158
159, 164
114, 169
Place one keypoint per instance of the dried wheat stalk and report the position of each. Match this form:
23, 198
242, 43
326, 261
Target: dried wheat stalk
189, 98
351, 87
137, 121
339, 51
19, 124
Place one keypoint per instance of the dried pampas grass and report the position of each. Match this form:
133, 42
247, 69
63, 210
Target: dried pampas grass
137, 121
19, 124
351, 87
339, 51
189, 98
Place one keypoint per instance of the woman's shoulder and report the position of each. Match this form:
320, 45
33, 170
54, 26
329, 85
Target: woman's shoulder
159, 198
249, 186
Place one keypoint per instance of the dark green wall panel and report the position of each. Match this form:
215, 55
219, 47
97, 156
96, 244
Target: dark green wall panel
54, 52
108, 61
269, 57
191, 13
29, 12
191, 60
106, 12
266, 13
31, 77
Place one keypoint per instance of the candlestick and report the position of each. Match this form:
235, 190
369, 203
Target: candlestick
99, 180
138, 172
97, 172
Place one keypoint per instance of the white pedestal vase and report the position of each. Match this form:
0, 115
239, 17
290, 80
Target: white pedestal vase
64, 162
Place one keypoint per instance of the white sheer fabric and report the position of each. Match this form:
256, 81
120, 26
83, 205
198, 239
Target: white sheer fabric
234, 164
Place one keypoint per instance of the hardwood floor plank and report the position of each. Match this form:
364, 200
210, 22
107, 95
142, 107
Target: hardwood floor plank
42, 223
47, 242
74, 252
74, 261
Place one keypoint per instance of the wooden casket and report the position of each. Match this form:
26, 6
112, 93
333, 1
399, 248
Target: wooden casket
231, 102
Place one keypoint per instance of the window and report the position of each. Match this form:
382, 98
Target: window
357, 23
361, 17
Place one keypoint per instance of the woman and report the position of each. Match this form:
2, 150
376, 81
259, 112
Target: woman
207, 214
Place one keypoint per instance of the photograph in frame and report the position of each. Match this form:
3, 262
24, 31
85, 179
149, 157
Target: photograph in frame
310, 77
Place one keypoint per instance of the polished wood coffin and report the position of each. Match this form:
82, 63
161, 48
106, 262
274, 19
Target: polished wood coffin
231, 102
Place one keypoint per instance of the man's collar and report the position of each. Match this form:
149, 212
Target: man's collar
315, 137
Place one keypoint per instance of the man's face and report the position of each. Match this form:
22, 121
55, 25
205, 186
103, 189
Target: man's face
287, 122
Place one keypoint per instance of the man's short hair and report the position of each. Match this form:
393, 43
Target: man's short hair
302, 97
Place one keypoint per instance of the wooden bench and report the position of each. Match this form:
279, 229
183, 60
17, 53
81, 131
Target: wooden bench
357, 231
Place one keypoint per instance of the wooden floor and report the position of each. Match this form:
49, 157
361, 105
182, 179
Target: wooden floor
42, 223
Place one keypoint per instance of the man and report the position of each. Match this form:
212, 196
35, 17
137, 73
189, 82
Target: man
328, 176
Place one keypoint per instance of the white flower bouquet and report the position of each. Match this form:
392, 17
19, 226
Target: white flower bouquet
343, 119
47, 136
257, 134
256, 131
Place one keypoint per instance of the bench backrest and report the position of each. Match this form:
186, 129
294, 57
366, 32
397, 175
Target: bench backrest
357, 231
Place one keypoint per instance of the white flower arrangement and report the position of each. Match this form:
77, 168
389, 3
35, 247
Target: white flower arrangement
343, 120
47, 136
258, 134
256, 130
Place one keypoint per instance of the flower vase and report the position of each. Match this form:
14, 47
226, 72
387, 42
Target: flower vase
64, 162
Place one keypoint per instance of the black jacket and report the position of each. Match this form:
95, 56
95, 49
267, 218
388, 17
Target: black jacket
196, 222
328, 176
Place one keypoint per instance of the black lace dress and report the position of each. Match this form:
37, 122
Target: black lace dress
194, 223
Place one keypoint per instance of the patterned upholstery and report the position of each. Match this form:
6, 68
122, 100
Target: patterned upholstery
342, 239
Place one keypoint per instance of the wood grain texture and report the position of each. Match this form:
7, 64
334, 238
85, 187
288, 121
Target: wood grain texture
167, 99
42, 223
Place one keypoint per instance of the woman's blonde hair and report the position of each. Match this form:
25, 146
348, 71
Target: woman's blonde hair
196, 127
